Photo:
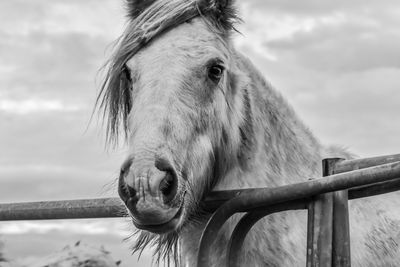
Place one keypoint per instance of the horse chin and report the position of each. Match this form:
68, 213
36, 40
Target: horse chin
172, 225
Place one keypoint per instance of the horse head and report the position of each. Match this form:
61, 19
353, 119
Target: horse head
174, 85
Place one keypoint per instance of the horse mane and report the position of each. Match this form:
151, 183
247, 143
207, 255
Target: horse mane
115, 91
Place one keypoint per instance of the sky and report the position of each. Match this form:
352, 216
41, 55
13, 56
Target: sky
337, 63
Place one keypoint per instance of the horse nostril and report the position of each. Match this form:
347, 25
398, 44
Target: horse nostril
125, 191
131, 191
168, 187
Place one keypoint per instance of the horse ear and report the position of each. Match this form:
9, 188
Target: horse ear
135, 7
224, 12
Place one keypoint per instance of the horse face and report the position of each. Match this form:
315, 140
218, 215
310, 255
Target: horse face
182, 103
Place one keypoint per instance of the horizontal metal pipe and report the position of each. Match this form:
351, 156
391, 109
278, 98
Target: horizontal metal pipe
375, 189
268, 196
63, 209
217, 198
356, 164
113, 207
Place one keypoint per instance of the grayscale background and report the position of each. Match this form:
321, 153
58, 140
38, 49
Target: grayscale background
337, 63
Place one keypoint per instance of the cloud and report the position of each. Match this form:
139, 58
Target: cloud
56, 49
337, 63
51, 182
34, 105
58, 17
318, 7
117, 228
57, 66
53, 155
50, 60
263, 25
341, 36
352, 46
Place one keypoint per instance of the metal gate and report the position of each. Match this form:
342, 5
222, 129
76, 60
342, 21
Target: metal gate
325, 199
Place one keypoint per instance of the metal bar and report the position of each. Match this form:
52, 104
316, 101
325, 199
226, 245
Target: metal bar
113, 207
310, 234
341, 256
366, 182
322, 230
216, 198
63, 209
341, 232
247, 222
268, 196
374, 189
356, 164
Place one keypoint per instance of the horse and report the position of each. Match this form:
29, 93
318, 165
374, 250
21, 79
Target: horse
196, 115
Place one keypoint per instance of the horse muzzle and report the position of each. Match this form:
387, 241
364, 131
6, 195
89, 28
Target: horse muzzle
151, 195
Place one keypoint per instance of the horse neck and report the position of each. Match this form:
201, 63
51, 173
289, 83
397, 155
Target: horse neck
285, 151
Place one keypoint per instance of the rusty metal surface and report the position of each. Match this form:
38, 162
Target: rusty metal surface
63, 209
247, 222
374, 189
215, 199
341, 255
310, 234
92, 208
356, 164
322, 231
258, 202
113, 207
320, 224
263, 197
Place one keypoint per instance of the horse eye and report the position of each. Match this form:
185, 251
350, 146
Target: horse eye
215, 72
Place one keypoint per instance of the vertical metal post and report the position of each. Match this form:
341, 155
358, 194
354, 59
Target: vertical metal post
320, 224
322, 232
310, 234
341, 232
